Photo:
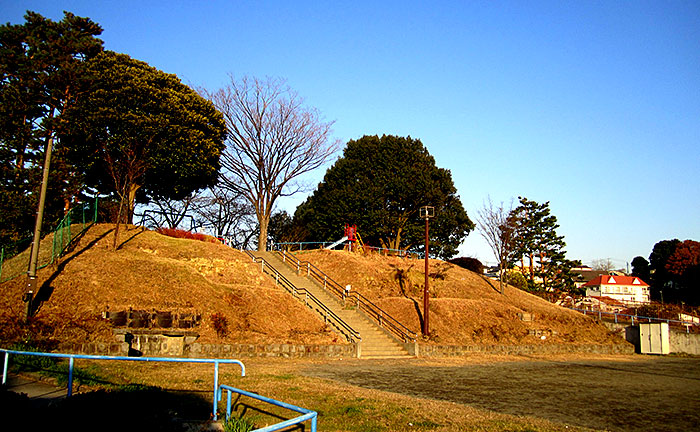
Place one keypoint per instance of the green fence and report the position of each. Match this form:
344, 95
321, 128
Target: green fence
14, 258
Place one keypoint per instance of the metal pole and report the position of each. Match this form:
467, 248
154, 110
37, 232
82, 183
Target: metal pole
426, 290
34, 256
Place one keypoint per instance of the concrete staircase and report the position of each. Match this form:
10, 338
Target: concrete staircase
376, 343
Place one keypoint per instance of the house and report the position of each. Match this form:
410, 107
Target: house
629, 290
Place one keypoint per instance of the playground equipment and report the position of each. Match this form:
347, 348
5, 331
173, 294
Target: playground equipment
352, 236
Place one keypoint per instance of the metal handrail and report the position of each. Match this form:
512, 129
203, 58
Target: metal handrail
344, 328
306, 413
637, 317
372, 310
72, 357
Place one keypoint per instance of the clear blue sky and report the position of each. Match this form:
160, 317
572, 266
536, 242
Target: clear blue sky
593, 106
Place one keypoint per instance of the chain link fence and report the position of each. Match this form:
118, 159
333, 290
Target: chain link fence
14, 258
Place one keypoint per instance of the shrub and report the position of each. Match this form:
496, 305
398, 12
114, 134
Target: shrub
469, 263
180, 233
220, 324
516, 279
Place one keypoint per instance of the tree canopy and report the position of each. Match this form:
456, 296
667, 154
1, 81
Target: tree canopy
141, 130
41, 74
379, 184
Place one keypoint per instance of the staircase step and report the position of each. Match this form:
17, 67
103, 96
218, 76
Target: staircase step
375, 342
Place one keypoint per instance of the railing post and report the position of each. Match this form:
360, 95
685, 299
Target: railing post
70, 377
262, 266
308, 269
4, 368
217, 390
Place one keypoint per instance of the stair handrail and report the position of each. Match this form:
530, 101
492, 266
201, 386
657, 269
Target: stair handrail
372, 310
344, 328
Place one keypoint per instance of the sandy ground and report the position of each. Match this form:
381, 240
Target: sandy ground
618, 394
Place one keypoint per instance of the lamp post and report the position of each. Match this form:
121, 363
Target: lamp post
426, 212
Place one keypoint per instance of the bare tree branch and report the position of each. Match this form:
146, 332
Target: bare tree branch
272, 140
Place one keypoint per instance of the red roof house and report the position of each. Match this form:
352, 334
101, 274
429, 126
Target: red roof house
627, 289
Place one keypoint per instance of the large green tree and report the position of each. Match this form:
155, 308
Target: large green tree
41, 74
379, 184
141, 130
540, 249
658, 258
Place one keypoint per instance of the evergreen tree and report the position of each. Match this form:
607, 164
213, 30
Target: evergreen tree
536, 240
379, 184
41, 74
142, 130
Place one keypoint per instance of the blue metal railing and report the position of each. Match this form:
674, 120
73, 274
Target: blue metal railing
625, 317
72, 357
306, 414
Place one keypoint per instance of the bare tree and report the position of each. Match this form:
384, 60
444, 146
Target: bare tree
496, 227
228, 214
272, 140
603, 264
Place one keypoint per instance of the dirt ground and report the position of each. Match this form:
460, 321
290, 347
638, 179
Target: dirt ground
616, 394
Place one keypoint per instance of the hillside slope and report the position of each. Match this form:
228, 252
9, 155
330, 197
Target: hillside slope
152, 272
465, 308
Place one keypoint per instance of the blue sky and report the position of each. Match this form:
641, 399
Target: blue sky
593, 106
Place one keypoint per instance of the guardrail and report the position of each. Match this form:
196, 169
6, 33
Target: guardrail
306, 414
310, 300
373, 311
72, 357
626, 317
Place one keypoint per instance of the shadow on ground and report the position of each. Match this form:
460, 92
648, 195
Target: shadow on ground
134, 408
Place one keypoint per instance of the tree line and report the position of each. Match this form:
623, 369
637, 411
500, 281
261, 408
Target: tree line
673, 271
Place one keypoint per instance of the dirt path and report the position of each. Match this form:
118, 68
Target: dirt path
639, 393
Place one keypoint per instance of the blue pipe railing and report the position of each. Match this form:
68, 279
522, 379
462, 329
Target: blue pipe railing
72, 357
306, 414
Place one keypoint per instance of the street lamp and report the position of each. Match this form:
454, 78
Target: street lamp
426, 212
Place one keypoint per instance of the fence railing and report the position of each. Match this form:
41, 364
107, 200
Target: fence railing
306, 414
309, 300
71, 360
617, 317
14, 259
319, 245
373, 311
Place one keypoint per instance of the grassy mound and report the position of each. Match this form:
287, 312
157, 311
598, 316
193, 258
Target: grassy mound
465, 307
153, 272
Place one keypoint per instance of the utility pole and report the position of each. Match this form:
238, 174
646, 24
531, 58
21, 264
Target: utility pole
426, 212
34, 256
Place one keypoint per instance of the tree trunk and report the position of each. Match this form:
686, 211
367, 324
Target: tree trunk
132, 203
262, 237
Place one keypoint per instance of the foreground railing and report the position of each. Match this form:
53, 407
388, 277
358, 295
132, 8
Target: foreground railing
632, 318
306, 414
72, 357
363, 303
309, 299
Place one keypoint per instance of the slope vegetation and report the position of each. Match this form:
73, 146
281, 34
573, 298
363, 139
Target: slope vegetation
154, 273
465, 308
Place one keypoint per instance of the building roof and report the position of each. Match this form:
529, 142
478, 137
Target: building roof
615, 280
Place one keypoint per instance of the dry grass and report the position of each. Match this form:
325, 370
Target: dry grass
154, 272
465, 308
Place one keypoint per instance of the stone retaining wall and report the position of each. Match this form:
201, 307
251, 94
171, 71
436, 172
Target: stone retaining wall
459, 350
199, 350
